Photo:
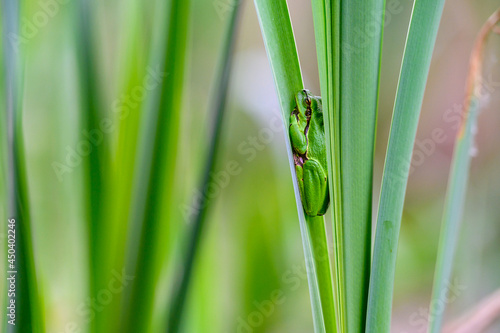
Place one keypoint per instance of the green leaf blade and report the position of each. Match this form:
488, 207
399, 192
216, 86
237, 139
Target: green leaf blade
158, 145
29, 305
282, 54
199, 218
359, 74
319, 245
326, 15
414, 71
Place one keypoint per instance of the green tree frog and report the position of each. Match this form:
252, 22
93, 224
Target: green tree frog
307, 136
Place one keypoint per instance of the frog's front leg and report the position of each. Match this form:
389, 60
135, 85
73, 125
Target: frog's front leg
297, 136
315, 188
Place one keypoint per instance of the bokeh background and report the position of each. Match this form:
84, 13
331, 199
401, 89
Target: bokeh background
251, 252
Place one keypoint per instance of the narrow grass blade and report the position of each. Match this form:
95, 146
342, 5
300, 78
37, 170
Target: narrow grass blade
28, 306
319, 245
134, 67
359, 77
127, 110
282, 54
154, 172
457, 183
180, 292
326, 16
413, 76
97, 160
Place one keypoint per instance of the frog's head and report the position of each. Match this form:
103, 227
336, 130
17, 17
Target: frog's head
302, 111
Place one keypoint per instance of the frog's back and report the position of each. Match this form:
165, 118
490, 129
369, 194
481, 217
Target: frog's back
316, 138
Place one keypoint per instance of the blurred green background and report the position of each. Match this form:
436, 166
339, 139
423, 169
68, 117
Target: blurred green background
250, 275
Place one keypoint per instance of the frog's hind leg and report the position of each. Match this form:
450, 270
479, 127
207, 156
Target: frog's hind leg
300, 181
315, 188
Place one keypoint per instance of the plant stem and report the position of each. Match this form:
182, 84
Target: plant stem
319, 244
